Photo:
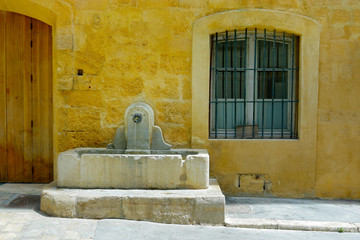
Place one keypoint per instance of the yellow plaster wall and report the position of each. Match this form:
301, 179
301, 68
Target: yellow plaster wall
338, 148
141, 50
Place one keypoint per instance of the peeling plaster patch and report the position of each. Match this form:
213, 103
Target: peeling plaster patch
252, 183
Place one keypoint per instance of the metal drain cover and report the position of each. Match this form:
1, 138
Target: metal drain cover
25, 201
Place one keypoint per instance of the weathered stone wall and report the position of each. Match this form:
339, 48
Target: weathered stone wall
129, 51
141, 50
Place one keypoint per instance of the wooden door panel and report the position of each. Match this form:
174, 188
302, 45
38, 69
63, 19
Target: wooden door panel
36, 147
42, 101
14, 61
18, 62
25, 99
10, 59
27, 104
46, 54
16, 167
3, 151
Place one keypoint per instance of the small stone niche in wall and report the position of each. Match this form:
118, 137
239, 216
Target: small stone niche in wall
253, 184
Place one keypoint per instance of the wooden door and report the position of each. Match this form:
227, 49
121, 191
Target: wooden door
25, 99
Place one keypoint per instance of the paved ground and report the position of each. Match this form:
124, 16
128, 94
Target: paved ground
293, 214
294, 209
20, 218
110, 229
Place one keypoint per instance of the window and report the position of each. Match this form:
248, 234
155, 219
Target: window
253, 84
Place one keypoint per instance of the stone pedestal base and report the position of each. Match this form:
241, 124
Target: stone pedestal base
202, 206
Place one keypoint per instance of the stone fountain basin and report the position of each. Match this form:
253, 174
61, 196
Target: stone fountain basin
113, 168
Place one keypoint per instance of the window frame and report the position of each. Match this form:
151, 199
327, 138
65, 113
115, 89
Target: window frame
251, 72
289, 162
308, 31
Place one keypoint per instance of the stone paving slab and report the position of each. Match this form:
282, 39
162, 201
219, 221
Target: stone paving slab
358, 226
5, 198
293, 214
317, 226
22, 188
33, 225
251, 223
293, 209
130, 230
292, 225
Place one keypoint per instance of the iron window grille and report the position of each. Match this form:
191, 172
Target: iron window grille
254, 85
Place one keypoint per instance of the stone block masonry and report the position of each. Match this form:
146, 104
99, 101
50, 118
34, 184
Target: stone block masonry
205, 206
102, 168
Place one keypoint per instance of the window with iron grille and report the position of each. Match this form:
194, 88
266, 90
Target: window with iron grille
253, 84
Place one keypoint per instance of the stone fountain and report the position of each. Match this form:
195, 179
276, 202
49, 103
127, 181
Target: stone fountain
138, 176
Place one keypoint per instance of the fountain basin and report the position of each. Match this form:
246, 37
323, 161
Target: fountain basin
113, 168
138, 176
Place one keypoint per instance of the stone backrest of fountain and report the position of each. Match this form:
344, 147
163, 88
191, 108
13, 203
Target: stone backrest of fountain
138, 157
139, 135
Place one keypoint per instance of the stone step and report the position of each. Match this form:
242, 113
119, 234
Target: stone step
180, 206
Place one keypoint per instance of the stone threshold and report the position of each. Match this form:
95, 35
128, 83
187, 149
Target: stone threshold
299, 225
179, 206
